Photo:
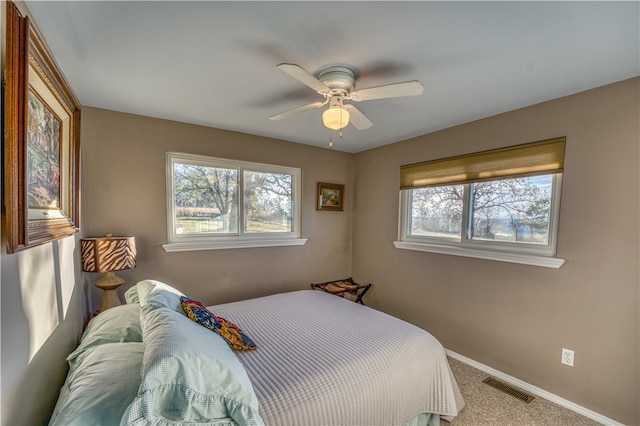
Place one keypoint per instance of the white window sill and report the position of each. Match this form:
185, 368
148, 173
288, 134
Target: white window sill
222, 245
525, 259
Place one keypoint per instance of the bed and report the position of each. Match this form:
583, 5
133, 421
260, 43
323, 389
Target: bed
319, 360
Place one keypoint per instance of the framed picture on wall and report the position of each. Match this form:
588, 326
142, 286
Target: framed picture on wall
42, 142
330, 197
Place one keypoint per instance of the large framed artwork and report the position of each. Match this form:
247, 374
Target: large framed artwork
42, 142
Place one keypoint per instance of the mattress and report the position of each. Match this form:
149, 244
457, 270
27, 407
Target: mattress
320, 360
325, 360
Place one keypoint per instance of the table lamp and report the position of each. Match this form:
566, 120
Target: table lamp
108, 254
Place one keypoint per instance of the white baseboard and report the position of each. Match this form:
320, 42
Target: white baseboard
534, 390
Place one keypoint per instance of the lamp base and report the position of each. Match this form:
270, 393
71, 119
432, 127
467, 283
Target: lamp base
109, 282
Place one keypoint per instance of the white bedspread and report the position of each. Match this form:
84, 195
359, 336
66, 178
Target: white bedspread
323, 360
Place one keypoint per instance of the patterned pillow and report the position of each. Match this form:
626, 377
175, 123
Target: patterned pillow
230, 332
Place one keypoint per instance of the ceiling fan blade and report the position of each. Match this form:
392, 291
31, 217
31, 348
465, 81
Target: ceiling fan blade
304, 77
396, 90
357, 118
297, 110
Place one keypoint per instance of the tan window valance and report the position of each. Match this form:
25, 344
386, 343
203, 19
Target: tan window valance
529, 159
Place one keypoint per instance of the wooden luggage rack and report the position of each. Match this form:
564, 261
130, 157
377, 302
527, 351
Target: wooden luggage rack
346, 288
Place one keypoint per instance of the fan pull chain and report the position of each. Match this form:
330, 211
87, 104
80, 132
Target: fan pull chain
341, 126
330, 141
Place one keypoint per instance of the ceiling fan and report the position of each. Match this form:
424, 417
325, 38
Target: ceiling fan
336, 84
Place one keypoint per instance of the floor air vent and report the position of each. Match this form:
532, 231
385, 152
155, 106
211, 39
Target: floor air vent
522, 396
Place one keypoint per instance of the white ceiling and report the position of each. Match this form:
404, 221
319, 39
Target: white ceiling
214, 63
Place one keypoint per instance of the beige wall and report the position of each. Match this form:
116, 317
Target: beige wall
43, 311
517, 318
123, 189
514, 318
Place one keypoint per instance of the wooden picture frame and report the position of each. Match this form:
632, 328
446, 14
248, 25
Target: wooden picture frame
330, 197
42, 142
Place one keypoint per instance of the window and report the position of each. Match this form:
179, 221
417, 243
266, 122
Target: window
501, 204
218, 203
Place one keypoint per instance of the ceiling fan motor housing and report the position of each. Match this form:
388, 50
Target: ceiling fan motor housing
341, 80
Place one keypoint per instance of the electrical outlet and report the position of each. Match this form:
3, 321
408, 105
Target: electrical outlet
567, 357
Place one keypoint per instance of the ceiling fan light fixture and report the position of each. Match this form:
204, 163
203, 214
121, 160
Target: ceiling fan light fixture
336, 83
335, 117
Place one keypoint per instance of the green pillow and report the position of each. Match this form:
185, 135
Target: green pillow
101, 387
189, 376
131, 295
159, 294
118, 324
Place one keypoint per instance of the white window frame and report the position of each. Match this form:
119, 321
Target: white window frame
529, 254
240, 239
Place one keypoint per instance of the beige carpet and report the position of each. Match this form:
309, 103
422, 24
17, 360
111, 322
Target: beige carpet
486, 405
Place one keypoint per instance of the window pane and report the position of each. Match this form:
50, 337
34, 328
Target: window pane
206, 199
437, 211
514, 210
268, 199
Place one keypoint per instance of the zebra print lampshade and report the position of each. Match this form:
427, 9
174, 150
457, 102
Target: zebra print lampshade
108, 254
